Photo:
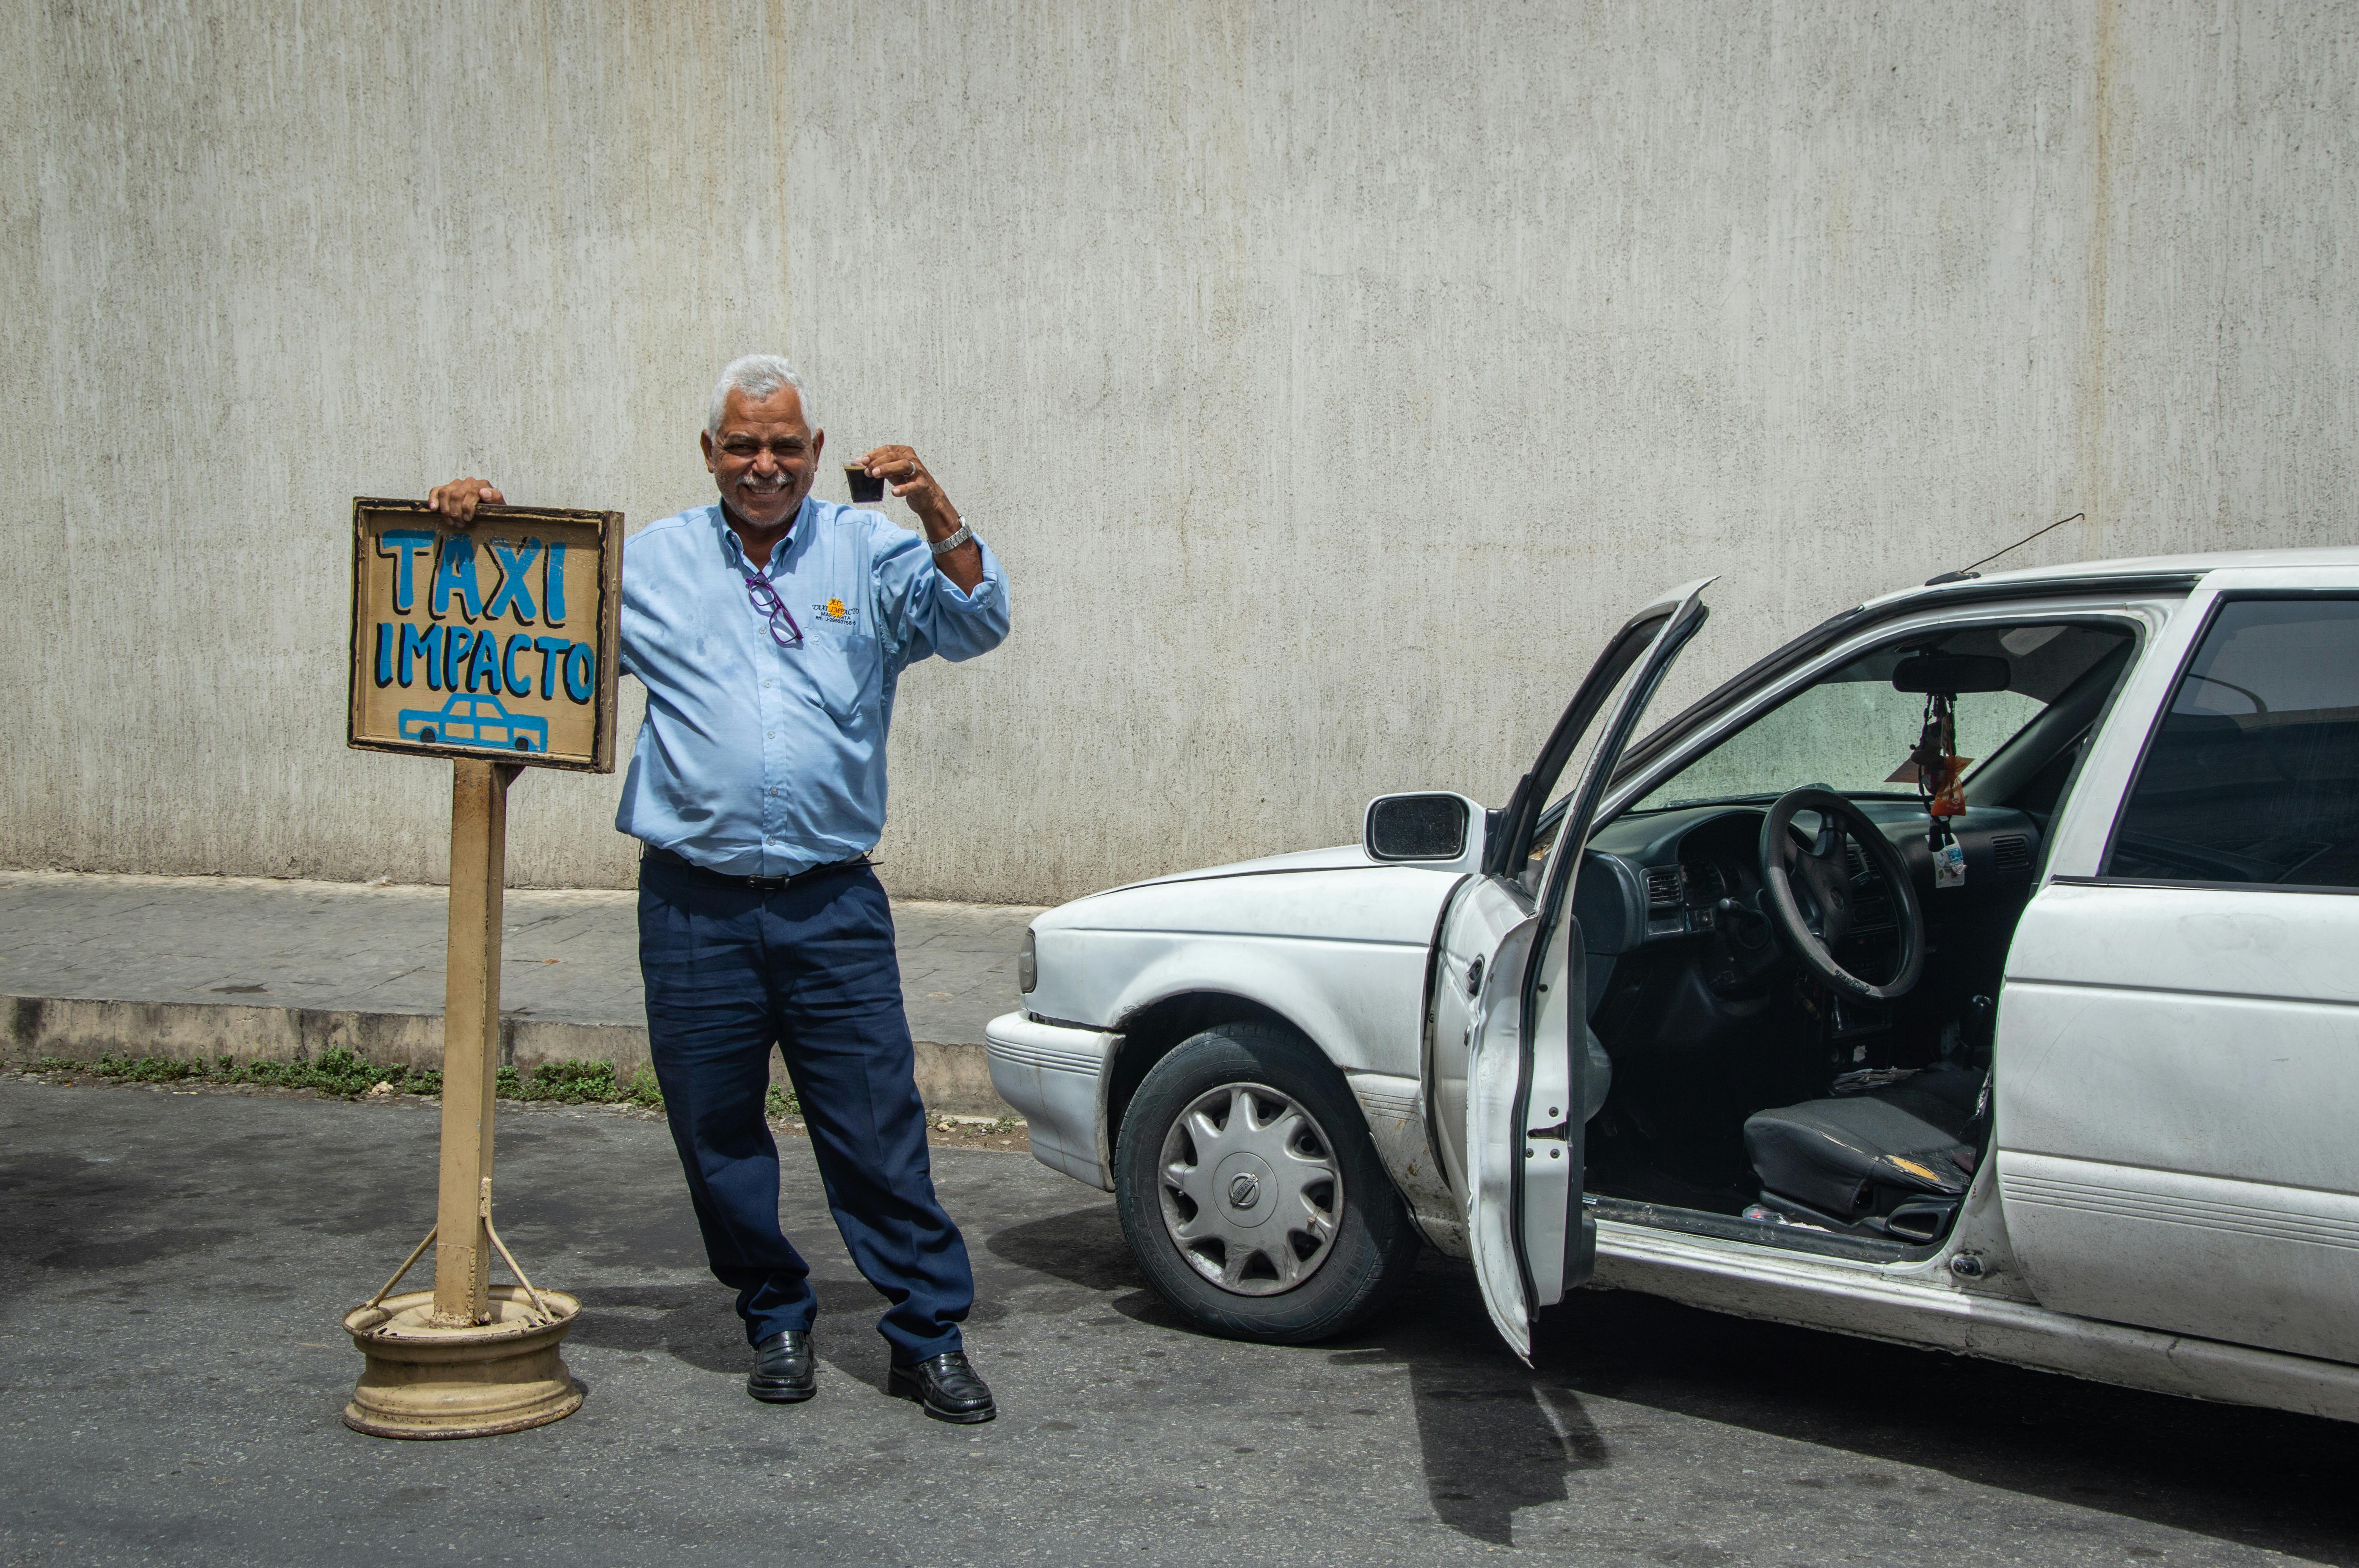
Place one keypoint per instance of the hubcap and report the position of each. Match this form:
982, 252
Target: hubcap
1251, 1189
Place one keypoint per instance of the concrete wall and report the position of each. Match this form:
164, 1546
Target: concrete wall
1330, 376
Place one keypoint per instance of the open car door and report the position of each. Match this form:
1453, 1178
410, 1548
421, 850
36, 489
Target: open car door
1509, 1030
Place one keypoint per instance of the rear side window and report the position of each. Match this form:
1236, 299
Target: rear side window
2253, 775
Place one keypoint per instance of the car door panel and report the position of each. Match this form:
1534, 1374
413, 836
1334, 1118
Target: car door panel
2176, 1145
2177, 1068
1520, 1156
1481, 915
2250, 1262
2118, 999
1501, 1245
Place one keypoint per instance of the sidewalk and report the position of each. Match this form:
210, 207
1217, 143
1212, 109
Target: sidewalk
253, 966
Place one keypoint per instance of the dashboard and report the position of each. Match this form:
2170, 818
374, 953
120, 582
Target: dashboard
1662, 876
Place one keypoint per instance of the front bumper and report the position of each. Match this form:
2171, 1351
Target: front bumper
1054, 1075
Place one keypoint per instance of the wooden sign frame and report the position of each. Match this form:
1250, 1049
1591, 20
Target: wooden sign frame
455, 682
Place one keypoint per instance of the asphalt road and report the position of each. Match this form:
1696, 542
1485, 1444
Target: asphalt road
172, 1269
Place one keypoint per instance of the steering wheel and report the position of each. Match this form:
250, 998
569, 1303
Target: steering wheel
1807, 890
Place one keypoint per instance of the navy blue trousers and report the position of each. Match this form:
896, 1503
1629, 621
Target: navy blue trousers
732, 971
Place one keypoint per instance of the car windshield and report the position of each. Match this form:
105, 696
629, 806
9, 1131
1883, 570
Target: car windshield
1852, 731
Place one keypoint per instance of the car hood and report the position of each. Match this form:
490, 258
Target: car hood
1334, 895
1337, 859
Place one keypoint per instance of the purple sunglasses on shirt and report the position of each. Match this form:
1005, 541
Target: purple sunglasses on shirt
774, 609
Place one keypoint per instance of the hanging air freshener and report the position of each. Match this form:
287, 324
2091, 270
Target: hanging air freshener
1940, 774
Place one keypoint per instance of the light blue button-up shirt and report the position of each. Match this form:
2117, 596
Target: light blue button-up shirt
762, 760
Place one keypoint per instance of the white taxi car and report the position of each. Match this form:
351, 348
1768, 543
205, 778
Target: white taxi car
2066, 1075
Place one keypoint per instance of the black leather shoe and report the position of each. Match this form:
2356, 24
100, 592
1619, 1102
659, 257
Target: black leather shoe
947, 1387
783, 1371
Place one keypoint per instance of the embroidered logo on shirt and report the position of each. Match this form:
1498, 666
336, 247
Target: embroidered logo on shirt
835, 612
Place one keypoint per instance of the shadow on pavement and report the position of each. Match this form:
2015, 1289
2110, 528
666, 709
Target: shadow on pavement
1495, 1438
1084, 1246
697, 1322
92, 1214
1492, 1437
2261, 1479
690, 1322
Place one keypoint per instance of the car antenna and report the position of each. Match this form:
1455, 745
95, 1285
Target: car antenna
1970, 572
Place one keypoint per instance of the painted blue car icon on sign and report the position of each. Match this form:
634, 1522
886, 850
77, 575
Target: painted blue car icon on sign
475, 721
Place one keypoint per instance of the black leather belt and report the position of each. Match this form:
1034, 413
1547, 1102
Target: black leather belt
760, 884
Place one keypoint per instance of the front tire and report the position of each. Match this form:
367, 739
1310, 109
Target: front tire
1250, 1192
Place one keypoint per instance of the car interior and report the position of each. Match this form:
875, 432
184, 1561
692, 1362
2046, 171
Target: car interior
1802, 1051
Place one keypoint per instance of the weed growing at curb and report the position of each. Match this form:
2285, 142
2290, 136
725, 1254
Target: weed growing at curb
339, 1074
345, 1076
582, 1083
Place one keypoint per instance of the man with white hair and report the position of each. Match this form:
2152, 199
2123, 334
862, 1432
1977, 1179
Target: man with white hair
771, 631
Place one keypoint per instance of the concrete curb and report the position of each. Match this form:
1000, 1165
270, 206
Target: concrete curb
954, 1079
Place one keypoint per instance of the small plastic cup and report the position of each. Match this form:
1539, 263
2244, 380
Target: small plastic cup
866, 488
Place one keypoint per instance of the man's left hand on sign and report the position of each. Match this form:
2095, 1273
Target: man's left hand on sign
459, 499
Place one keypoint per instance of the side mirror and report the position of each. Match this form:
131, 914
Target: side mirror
1437, 829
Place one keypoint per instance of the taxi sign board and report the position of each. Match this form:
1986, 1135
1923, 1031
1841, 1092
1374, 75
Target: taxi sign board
494, 639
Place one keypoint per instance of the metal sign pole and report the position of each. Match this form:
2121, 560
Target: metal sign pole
471, 1026
466, 1358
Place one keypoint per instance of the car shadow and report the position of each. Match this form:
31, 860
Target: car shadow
1081, 1247
1493, 1436
2257, 1477
1496, 1437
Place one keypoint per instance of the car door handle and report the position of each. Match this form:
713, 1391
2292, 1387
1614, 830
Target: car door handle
1475, 977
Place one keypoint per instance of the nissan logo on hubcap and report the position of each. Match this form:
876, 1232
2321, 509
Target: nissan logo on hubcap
1242, 1189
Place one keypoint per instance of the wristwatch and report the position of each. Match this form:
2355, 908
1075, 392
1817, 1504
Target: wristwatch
944, 546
